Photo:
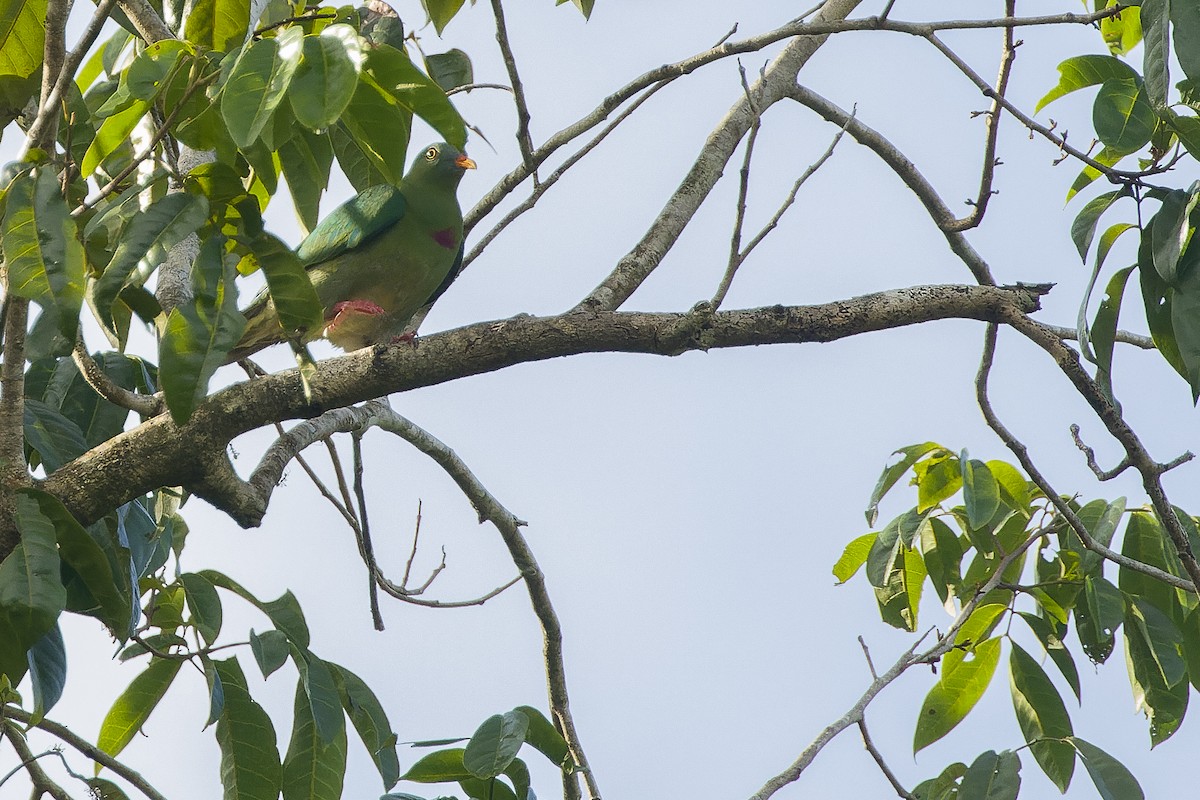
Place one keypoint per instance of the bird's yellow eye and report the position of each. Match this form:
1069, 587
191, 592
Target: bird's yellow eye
431, 153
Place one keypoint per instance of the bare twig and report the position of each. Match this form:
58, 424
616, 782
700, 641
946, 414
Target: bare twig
937, 209
1090, 455
87, 748
524, 140
364, 531
883, 767
469, 86
1063, 508
42, 784
867, 655
412, 553
1124, 337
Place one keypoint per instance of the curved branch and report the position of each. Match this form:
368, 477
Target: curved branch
160, 453
143, 405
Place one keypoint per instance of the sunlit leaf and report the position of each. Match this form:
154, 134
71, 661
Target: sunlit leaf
1083, 71
131, 710
1042, 717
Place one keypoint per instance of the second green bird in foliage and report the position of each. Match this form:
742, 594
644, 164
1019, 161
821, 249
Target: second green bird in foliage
378, 258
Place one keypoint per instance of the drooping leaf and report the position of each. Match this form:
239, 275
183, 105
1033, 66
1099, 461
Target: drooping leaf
956, 693
1042, 716
1055, 648
379, 126
1112, 779
853, 557
495, 744
31, 591
371, 723
900, 596
544, 737
47, 671
42, 251
1098, 617
131, 710
1157, 671
323, 695
250, 765
270, 650
891, 473
55, 438
113, 134
992, 777
944, 786
216, 690
942, 553
1083, 229
1122, 32
306, 159
981, 492
204, 604
451, 69
417, 92
313, 768
1185, 30
1156, 57
284, 610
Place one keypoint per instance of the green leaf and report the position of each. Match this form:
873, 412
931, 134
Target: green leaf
1101, 520
113, 133
493, 789
313, 768
1156, 57
1042, 716
1169, 230
219, 25
323, 695
326, 76
358, 167
42, 251
204, 604
250, 768
145, 243
1083, 229
495, 744
97, 419
1123, 117
1108, 157
992, 777
545, 738
887, 479
942, 553
1157, 299
22, 36
1122, 32
85, 557
200, 333
1185, 22
270, 650
31, 591
1104, 329
379, 126
47, 671
1055, 648
296, 302
1112, 780
1145, 541
441, 12
451, 69
131, 710
1083, 71
1190, 645
284, 611
371, 723
1187, 128
439, 767
306, 159
853, 557
944, 786
56, 439
900, 596
258, 83
417, 92
981, 492
216, 691
955, 694
518, 773
145, 79
938, 478
1157, 671
1098, 617
1185, 327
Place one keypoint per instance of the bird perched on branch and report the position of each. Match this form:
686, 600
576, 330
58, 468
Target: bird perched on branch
377, 259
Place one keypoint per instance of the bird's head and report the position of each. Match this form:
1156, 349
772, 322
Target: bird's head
442, 163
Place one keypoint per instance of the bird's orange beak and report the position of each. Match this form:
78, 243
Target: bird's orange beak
462, 162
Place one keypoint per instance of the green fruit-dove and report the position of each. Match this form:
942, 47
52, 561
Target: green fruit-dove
377, 259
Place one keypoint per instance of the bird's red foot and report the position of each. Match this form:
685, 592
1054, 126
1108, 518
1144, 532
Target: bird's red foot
409, 338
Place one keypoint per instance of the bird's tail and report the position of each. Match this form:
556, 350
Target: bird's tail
262, 330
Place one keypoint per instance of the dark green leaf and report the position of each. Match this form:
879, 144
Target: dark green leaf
314, 768
900, 596
1145, 541
942, 553
47, 671
306, 159
944, 786
1169, 230
1112, 780
204, 604
296, 301
439, 767
981, 492
146, 76
250, 768
992, 777
379, 126
417, 92
1104, 329
1042, 716
1122, 116
370, 722
42, 252
1108, 157
1156, 668
545, 738
495, 744
56, 439
1098, 617
270, 650
1156, 58
323, 695
31, 591
199, 334
97, 419
381, 25
326, 77
258, 83
1083, 229
360, 170
451, 69
216, 691
1157, 299
1185, 21
131, 710
284, 611
1055, 648
145, 243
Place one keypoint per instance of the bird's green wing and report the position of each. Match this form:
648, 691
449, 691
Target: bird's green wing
354, 222
450, 276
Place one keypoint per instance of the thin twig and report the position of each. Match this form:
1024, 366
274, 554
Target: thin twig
524, 140
1090, 455
87, 748
739, 218
1124, 337
42, 784
1063, 508
469, 86
336, 461
412, 553
883, 767
400, 593
368, 548
867, 654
